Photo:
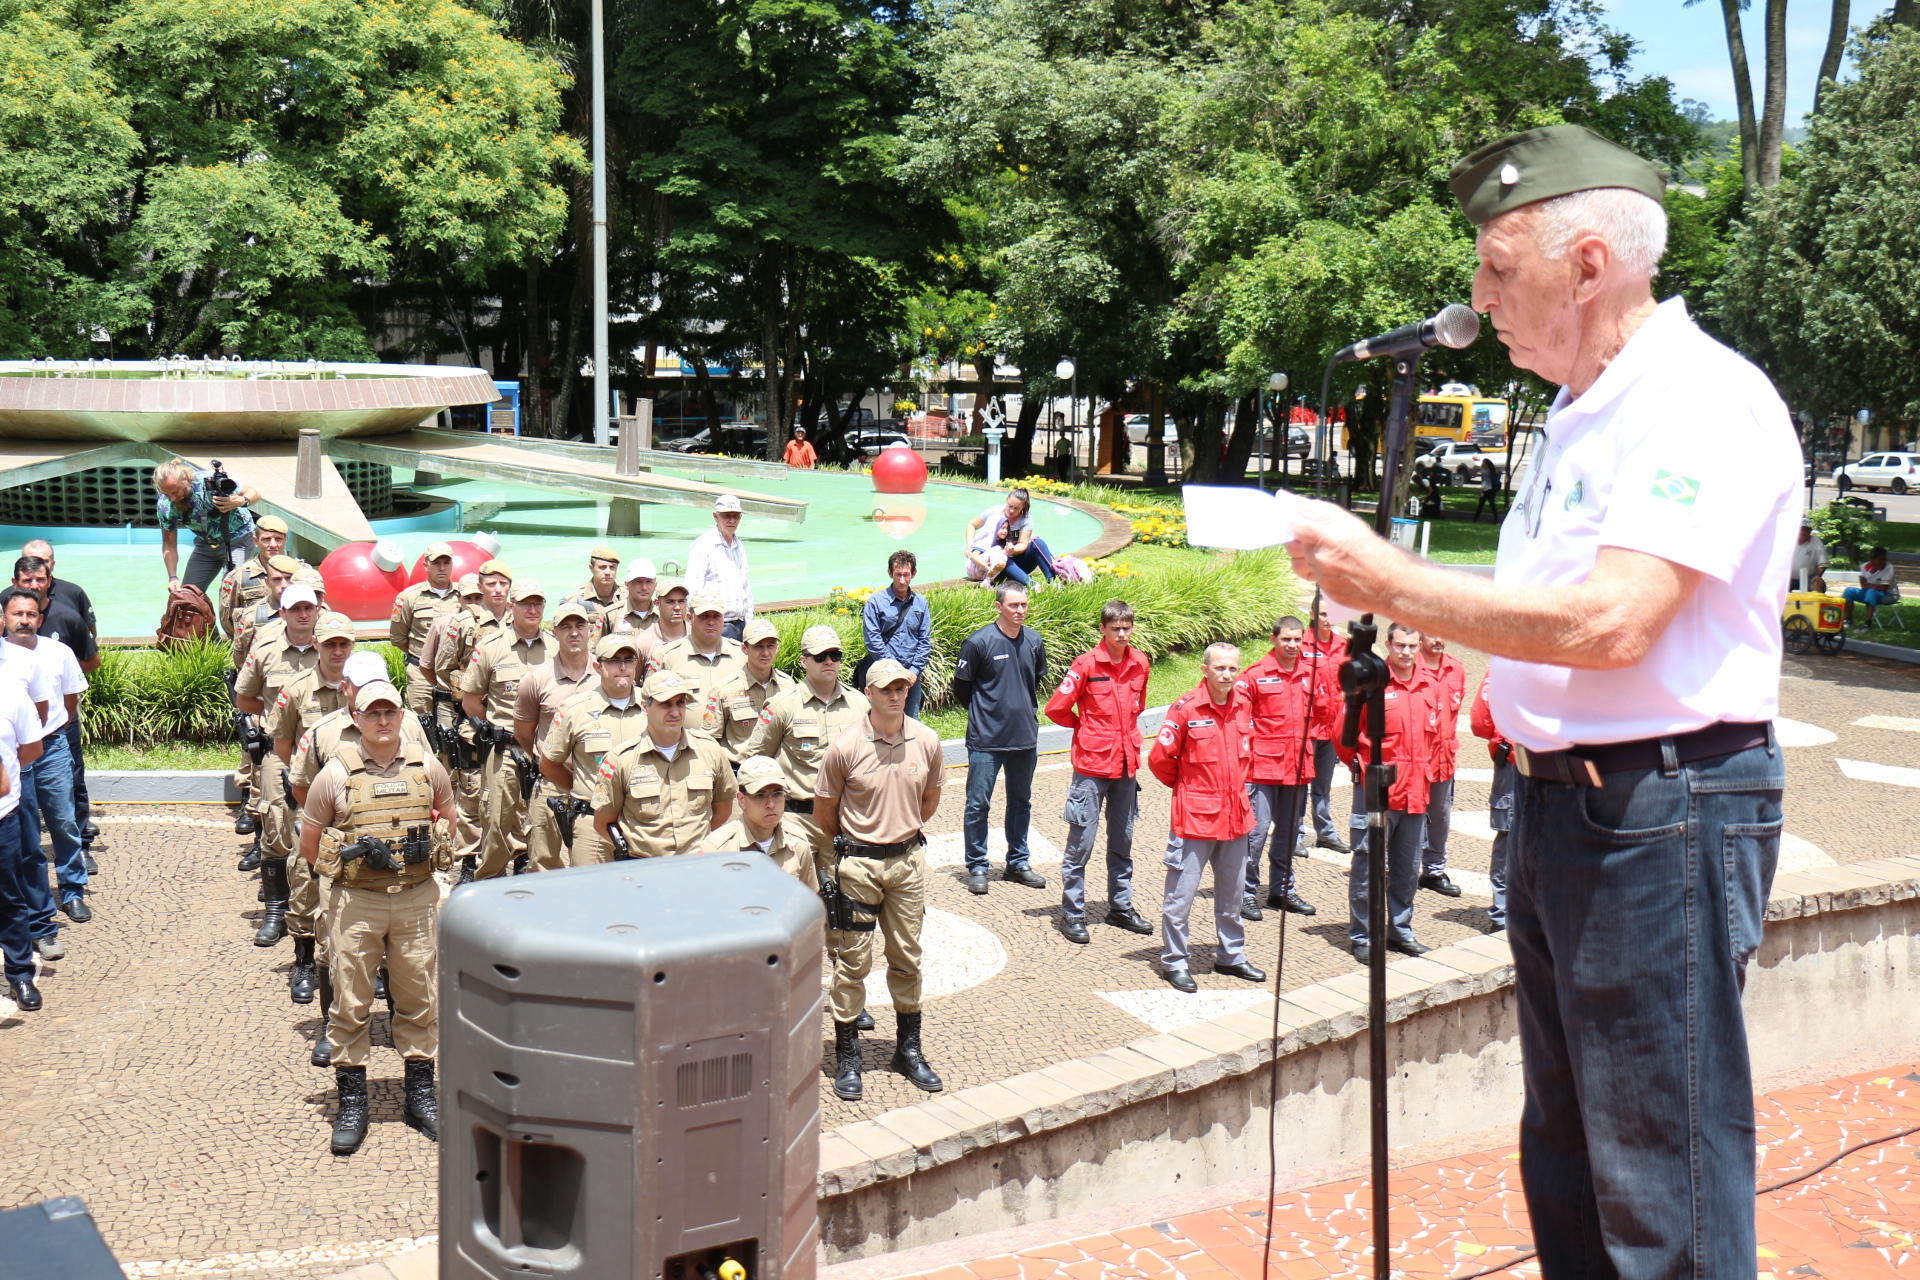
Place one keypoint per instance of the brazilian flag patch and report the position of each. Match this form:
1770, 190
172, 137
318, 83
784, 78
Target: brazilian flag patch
1680, 489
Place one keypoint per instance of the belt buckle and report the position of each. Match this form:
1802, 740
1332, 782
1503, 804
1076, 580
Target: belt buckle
395, 888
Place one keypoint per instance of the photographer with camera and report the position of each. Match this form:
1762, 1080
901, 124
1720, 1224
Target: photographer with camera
214, 506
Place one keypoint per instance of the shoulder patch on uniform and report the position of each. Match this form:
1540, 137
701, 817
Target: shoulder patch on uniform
1167, 734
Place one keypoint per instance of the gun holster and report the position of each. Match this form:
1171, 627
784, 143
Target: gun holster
523, 766
567, 810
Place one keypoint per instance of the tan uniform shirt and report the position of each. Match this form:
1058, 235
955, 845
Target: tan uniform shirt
708, 669
255, 627
733, 708
586, 729
469, 631
303, 702
880, 782
326, 798
626, 619
316, 745
498, 667
240, 591
415, 610
600, 613
271, 667
795, 728
545, 689
664, 806
790, 846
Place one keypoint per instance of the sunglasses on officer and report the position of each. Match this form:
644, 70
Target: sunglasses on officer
831, 655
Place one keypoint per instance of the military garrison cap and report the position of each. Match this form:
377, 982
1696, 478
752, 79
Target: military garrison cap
1540, 164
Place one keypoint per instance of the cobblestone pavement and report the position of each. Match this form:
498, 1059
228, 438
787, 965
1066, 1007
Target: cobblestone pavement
166, 1079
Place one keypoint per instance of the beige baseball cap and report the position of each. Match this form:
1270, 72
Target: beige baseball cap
439, 549
272, 524
495, 566
819, 639
570, 609
757, 630
757, 773
705, 602
333, 626
604, 552
308, 576
641, 568
526, 589
616, 642
670, 586
378, 691
885, 672
726, 502
662, 685
469, 584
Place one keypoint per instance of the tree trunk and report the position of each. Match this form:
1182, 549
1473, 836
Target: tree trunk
1742, 95
1016, 450
1836, 46
1246, 430
1906, 13
570, 363
533, 406
1207, 434
783, 311
1773, 122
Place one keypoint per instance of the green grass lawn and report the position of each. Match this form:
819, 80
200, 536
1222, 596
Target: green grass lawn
182, 755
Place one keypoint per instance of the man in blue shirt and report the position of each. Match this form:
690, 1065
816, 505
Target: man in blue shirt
222, 526
898, 624
997, 679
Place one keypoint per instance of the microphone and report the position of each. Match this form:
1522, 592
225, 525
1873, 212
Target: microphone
1455, 326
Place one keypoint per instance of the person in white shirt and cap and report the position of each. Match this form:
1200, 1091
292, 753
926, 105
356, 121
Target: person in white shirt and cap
639, 612
1809, 572
717, 562
1634, 628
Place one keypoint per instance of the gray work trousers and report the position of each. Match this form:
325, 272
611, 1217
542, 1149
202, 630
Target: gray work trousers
1276, 822
1086, 796
1500, 815
1405, 834
1184, 863
208, 561
1433, 850
1326, 761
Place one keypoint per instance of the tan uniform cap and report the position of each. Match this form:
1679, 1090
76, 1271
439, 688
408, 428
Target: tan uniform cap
332, 626
705, 602
820, 639
757, 630
757, 773
273, 524
615, 642
662, 685
526, 589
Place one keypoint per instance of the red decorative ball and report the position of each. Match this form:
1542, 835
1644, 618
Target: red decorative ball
899, 469
467, 558
358, 587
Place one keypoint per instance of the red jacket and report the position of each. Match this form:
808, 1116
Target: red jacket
1101, 701
1278, 701
1412, 713
1483, 725
1329, 703
1450, 681
1202, 752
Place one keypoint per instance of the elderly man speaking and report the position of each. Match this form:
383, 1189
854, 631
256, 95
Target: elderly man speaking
1634, 623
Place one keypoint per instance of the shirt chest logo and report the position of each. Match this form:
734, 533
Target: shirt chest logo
1579, 492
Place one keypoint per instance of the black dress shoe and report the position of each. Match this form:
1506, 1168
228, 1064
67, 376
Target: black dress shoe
90, 831
1335, 843
1025, 875
1407, 947
246, 824
1250, 908
86, 860
1438, 882
1074, 929
322, 1055
1180, 980
1129, 919
25, 994
250, 860
976, 882
1363, 953
1292, 903
1242, 970
864, 1022
77, 910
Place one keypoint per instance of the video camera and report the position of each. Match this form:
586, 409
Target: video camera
220, 484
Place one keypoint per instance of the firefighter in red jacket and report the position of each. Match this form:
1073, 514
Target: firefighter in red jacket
1100, 699
1450, 680
1201, 752
1504, 807
1325, 651
1281, 689
1411, 705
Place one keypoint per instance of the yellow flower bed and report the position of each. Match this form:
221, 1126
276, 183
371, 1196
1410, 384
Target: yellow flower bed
848, 600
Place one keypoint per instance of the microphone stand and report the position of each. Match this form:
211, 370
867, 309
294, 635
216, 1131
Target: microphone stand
1363, 679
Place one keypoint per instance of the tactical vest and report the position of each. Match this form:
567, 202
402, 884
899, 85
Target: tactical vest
387, 808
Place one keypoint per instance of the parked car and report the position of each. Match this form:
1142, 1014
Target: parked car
694, 443
870, 443
1137, 424
1896, 471
1459, 461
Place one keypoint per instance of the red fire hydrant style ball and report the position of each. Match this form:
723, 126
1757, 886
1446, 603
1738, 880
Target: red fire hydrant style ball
358, 587
467, 558
899, 469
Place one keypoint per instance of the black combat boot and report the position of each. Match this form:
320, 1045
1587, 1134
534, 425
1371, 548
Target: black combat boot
381, 991
350, 1123
273, 879
250, 860
864, 1022
322, 1055
304, 979
245, 825
423, 1103
467, 867
846, 1062
907, 1059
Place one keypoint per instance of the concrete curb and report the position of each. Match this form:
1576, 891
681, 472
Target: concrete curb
1873, 649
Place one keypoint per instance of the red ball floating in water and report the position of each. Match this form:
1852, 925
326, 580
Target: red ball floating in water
467, 558
356, 583
899, 469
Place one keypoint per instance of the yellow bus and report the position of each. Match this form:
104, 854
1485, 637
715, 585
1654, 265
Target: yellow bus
1459, 412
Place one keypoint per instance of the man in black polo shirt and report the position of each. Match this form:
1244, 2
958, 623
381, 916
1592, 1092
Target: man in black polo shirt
68, 593
59, 620
997, 679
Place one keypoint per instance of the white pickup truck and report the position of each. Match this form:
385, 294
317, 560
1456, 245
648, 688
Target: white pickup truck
1459, 460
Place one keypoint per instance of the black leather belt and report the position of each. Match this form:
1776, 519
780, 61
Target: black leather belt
856, 849
800, 806
1582, 766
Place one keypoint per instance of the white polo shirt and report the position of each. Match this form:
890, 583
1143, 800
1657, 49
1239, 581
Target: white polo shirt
714, 564
61, 670
1681, 450
19, 724
21, 666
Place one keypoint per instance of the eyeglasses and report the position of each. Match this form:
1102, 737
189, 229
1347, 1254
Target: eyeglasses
831, 655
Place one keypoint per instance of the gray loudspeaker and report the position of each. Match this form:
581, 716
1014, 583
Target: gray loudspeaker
630, 1060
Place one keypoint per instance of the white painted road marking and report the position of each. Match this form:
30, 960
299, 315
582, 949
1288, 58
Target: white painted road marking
1798, 733
955, 953
1868, 771
1905, 724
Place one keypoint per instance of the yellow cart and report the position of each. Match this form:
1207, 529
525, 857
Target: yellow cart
1814, 620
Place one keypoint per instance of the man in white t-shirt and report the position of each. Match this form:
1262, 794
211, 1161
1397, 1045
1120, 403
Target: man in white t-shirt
49, 801
717, 562
20, 735
1634, 628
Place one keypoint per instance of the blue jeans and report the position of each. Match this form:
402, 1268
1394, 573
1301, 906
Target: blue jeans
1632, 911
915, 695
1276, 828
983, 768
1866, 595
1035, 559
16, 937
1086, 796
82, 806
41, 922
53, 784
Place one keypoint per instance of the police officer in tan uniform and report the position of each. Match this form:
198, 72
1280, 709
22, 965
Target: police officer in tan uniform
763, 825
264, 626
375, 824
705, 656
669, 622
446, 702
303, 702
796, 726
246, 586
271, 666
661, 793
583, 732
415, 610
734, 706
276, 572
479, 623
878, 786
487, 693
543, 691
602, 596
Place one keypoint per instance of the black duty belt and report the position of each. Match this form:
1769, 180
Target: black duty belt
1582, 766
800, 806
860, 849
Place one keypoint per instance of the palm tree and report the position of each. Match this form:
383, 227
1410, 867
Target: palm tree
1773, 117
1742, 91
1836, 45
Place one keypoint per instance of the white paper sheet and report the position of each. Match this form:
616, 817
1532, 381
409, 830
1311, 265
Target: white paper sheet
1238, 518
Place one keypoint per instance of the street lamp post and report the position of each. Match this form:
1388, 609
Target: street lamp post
1276, 384
602, 396
1068, 373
